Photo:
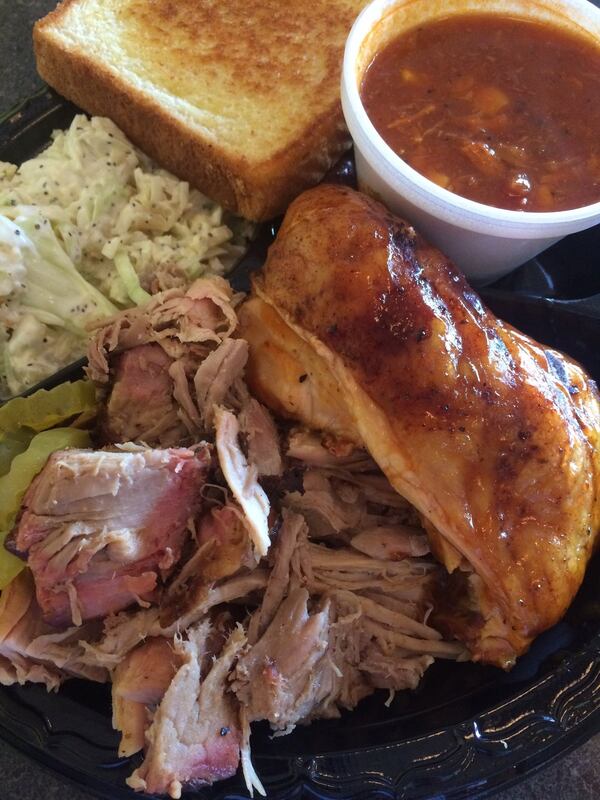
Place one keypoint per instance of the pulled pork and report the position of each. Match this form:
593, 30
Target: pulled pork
139, 683
30, 650
195, 736
166, 365
242, 479
100, 528
202, 572
348, 639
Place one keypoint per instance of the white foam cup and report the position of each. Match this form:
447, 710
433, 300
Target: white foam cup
484, 241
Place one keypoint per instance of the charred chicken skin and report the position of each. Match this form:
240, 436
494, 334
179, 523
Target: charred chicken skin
358, 327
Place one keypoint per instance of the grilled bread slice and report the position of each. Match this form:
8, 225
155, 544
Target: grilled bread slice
239, 98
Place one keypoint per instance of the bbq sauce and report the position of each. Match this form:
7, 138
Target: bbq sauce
500, 110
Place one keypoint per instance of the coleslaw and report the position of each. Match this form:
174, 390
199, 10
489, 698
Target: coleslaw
87, 227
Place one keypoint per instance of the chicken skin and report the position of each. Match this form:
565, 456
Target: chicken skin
358, 327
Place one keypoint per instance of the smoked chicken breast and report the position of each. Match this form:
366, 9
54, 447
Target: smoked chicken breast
359, 328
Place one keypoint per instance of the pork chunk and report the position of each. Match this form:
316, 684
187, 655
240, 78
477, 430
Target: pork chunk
195, 736
141, 406
280, 682
31, 651
139, 682
100, 529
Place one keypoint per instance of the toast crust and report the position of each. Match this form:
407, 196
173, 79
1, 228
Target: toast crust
255, 189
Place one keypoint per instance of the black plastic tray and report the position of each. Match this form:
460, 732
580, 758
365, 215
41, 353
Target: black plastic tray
468, 730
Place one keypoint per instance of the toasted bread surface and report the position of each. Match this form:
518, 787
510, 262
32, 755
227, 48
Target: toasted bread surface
241, 99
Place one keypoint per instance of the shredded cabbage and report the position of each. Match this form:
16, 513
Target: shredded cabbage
108, 213
33, 352
47, 307
130, 280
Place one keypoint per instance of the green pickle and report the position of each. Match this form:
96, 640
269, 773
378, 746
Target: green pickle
46, 408
11, 444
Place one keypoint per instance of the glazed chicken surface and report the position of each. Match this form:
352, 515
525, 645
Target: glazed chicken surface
357, 327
